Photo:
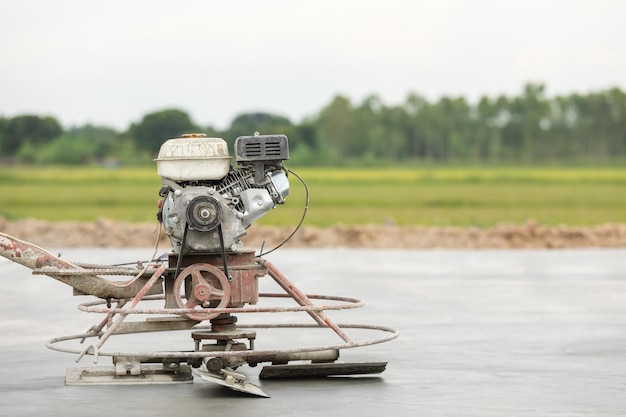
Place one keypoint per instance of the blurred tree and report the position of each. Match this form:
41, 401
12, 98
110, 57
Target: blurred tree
387, 132
307, 132
413, 106
28, 128
246, 124
457, 129
338, 128
3, 124
93, 132
103, 139
617, 102
155, 128
67, 150
27, 153
534, 114
369, 135
487, 131
524, 128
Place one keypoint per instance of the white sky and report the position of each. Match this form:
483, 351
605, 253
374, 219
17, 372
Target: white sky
111, 62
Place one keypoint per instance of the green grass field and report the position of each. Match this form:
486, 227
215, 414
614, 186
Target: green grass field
416, 196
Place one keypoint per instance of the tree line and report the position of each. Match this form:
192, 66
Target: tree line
527, 128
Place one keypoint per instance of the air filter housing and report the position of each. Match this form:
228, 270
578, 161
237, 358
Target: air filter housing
264, 148
261, 151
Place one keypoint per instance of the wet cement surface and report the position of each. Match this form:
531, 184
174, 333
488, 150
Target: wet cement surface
483, 333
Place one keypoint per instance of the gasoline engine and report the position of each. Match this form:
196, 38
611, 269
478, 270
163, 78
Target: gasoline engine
208, 204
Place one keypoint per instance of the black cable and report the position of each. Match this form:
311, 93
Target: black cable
219, 230
306, 208
180, 252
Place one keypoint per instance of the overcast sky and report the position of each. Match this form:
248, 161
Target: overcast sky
111, 62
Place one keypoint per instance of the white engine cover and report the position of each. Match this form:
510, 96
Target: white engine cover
193, 157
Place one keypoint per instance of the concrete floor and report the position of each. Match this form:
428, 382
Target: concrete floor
483, 333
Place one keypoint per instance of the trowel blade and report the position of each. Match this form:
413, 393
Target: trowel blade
232, 380
313, 370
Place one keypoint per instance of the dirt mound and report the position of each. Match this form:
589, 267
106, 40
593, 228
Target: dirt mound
107, 233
